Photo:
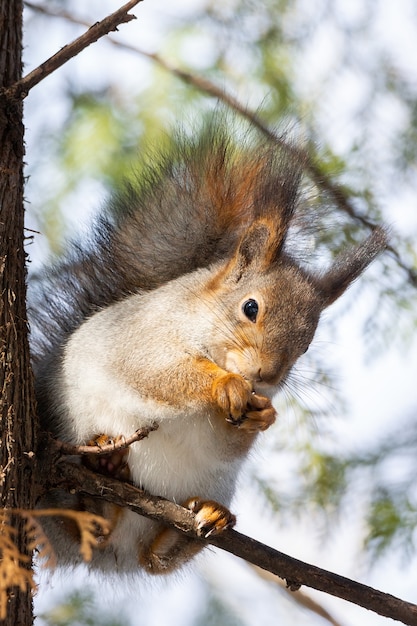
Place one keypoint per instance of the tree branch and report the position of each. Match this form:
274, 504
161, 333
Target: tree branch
295, 572
298, 596
62, 447
21, 88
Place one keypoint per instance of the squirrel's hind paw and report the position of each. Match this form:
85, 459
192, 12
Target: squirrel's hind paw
170, 549
211, 517
114, 463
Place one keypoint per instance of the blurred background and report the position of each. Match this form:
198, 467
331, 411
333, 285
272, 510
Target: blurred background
334, 481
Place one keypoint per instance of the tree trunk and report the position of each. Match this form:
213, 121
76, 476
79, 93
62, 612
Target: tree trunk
17, 407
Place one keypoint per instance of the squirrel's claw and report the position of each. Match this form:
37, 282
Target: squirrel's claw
210, 516
259, 416
232, 394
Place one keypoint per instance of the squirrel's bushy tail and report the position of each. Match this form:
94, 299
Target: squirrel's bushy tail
187, 209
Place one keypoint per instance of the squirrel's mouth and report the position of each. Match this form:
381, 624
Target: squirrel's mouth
262, 388
270, 386
264, 378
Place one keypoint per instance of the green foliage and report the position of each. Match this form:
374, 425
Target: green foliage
216, 613
327, 477
80, 610
383, 478
392, 520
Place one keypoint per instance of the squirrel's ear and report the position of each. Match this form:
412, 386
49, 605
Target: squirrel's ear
257, 250
350, 265
260, 246
254, 244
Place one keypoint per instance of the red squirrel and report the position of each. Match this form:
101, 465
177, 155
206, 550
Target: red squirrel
186, 308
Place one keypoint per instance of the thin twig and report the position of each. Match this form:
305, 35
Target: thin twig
298, 596
322, 180
121, 443
21, 88
294, 571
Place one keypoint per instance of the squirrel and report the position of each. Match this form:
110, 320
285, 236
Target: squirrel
185, 308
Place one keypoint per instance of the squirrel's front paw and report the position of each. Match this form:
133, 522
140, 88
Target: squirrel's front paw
259, 416
232, 393
211, 517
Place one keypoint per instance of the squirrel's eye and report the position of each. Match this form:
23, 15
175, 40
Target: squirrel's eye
250, 308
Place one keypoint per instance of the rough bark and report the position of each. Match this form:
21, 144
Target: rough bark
17, 425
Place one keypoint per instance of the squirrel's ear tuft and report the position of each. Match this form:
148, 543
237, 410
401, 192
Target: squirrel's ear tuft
254, 244
351, 265
258, 249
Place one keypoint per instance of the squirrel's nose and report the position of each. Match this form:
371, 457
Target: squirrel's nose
268, 375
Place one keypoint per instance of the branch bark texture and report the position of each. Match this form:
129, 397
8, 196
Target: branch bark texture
17, 425
61, 447
294, 571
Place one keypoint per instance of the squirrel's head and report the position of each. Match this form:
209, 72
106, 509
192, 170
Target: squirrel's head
275, 304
